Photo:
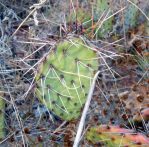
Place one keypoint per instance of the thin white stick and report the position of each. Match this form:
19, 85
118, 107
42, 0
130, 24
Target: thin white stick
86, 107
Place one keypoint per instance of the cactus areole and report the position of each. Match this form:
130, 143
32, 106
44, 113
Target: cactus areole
65, 76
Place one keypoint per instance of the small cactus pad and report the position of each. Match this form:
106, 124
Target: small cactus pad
81, 16
80, 21
103, 27
64, 77
113, 136
91, 19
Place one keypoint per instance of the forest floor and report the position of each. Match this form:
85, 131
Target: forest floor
121, 94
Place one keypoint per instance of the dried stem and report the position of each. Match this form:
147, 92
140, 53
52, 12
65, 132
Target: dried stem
86, 107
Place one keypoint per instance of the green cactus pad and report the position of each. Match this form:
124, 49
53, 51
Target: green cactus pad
64, 78
101, 9
81, 16
80, 21
89, 19
114, 136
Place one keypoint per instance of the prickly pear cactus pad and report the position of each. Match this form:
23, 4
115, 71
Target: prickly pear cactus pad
64, 78
113, 136
103, 11
80, 21
91, 18
81, 16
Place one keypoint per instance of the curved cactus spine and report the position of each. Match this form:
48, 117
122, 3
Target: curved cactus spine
65, 76
116, 136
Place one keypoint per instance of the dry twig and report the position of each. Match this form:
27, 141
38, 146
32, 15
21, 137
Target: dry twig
86, 107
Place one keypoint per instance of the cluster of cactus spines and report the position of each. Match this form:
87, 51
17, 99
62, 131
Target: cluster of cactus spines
113, 136
2, 126
64, 78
